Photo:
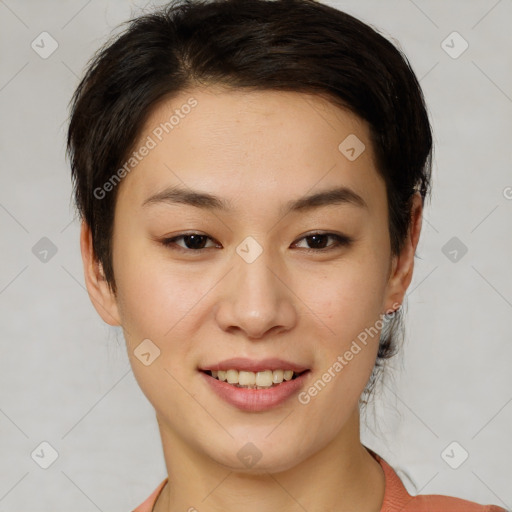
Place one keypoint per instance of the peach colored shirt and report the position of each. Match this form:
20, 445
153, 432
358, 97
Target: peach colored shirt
396, 497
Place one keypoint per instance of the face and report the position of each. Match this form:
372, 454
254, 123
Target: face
272, 273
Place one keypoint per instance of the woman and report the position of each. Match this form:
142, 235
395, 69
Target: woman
251, 177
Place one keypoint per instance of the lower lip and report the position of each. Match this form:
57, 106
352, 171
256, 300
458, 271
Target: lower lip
256, 400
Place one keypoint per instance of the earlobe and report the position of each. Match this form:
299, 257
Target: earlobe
403, 264
102, 297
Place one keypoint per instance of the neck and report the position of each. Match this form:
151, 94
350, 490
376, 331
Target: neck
343, 476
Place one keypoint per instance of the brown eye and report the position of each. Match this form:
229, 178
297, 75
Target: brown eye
319, 241
196, 242
191, 241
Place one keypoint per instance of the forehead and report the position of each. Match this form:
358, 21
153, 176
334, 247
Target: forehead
237, 142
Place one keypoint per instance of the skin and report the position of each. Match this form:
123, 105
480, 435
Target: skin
258, 150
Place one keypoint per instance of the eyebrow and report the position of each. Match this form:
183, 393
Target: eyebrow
178, 195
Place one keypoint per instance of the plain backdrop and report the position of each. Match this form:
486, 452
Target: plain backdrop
65, 379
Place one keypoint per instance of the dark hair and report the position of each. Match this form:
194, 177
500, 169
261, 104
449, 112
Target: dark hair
288, 45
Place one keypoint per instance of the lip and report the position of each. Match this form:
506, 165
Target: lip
256, 400
253, 365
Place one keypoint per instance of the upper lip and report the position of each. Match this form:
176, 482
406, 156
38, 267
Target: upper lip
254, 365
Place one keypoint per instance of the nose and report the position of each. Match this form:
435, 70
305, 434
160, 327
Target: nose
255, 298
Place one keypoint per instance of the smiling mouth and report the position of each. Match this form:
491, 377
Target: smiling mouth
254, 380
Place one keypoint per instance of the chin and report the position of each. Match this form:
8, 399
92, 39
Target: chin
263, 467
260, 457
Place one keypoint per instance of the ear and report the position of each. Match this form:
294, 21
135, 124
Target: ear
102, 297
403, 264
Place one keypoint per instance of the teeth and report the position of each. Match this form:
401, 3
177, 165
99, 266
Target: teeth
232, 376
277, 376
265, 379
246, 378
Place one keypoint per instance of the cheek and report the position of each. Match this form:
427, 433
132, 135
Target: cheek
154, 295
350, 297
157, 297
349, 301
347, 354
155, 302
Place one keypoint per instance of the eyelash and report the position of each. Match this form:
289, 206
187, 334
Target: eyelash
341, 241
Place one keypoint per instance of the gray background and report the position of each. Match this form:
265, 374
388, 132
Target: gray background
64, 374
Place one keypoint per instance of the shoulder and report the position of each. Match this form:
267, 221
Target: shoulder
397, 499
440, 503
148, 504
